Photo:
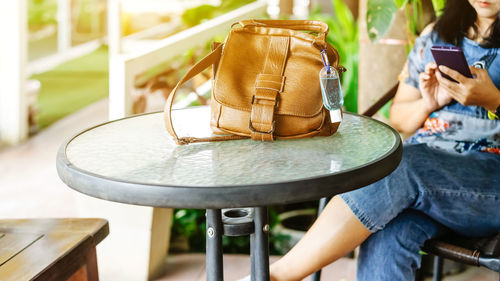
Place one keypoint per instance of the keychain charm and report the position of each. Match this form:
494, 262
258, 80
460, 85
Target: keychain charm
330, 85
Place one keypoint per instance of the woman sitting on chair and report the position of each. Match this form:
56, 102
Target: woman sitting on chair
449, 177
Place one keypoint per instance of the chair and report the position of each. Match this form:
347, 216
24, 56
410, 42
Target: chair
50, 249
472, 251
483, 251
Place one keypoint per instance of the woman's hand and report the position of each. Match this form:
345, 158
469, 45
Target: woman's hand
478, 91
433, 95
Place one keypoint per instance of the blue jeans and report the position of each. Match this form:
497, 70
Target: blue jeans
429, 192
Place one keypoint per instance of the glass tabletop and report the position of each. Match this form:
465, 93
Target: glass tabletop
139, 150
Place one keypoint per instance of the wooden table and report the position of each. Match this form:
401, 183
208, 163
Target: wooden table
50, 249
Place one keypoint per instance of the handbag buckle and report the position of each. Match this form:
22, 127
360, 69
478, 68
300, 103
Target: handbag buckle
253, 130
275, 105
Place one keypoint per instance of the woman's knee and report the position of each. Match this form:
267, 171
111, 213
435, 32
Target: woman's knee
409, 230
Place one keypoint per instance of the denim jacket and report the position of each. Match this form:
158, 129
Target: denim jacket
456, 127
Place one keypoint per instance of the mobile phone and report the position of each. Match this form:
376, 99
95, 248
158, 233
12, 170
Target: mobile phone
452, 57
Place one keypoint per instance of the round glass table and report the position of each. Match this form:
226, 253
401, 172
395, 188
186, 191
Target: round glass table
133, 160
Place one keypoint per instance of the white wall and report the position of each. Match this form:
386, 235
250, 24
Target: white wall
13, 54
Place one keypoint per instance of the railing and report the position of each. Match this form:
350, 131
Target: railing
65, 49
14, 66
125, 67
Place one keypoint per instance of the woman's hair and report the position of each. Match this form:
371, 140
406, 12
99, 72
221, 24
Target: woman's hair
458, 16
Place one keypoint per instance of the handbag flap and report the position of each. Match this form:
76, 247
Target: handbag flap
241, 67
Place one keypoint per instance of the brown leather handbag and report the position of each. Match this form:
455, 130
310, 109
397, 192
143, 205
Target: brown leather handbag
266, 84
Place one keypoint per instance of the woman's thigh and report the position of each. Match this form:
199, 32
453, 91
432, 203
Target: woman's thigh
461, 191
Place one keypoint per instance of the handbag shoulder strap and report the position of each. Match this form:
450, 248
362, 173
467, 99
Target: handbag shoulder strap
210, 59
303, 25
319, 27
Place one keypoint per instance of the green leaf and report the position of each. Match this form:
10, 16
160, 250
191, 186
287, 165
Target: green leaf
344, 17
228, 5
42, 12
400, 3
438, 6
196, 15
350, 84
343, 35
379, 17
385, 110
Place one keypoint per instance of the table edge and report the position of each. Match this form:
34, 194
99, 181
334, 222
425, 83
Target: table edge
157, 195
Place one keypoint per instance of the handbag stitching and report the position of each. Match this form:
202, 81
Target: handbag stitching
313, 132
318, 128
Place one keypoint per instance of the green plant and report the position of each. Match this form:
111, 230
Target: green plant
381, 13
72, 86
343, 35
191, 225
42, 12
196, 15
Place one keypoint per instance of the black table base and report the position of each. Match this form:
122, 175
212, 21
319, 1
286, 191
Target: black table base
214, 245
238, 222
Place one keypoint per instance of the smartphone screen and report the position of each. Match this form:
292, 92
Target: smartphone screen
452, 57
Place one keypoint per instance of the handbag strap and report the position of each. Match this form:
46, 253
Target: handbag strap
303, 25
300, 25
210, 59
268, 86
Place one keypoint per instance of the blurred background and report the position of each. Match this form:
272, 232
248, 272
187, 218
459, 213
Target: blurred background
66, 65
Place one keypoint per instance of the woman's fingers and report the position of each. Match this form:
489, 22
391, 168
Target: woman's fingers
444, 82
425, 76
453, 74
479, 90
453, 89
430, 66
429, 71
478, 72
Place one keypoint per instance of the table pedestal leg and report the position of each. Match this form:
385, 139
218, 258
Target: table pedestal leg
259, 246
214, 245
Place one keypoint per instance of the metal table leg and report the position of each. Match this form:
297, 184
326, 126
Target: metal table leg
259, 246
252, 257
214, 245
438, 268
